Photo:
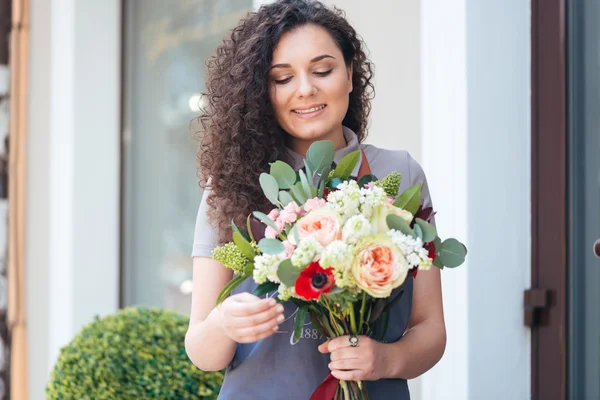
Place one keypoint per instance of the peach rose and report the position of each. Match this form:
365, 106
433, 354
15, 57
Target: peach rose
379, 266
323, 224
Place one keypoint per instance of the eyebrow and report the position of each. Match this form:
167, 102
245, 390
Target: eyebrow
314, 60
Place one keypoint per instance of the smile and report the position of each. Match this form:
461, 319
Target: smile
310, 110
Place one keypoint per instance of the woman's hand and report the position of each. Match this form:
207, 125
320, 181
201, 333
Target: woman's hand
246, 318
366, 362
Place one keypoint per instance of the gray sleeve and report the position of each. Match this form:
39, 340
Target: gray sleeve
417, 175
206, 237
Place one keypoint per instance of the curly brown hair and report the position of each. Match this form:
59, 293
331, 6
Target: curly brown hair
240, 135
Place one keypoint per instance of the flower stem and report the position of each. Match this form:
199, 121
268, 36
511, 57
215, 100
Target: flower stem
362, 310
352, 320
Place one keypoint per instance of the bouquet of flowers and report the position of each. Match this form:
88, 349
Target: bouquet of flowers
337, 248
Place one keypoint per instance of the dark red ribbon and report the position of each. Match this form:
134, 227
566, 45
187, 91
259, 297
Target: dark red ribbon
326, 390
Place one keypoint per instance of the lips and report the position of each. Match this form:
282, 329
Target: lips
309, 110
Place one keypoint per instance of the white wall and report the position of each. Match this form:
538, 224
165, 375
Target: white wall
72, 216
476, 125
391, 31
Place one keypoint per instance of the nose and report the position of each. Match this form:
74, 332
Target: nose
306, 87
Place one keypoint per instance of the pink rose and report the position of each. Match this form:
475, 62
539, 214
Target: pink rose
288, 217
292, 207
289, 248
379, 266
280, 223
314, 204
322, 224
270, 233
273, 214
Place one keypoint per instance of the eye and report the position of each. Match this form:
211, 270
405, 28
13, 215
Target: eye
282, 81
324, 73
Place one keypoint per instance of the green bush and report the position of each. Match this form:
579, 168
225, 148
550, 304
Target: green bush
137, 353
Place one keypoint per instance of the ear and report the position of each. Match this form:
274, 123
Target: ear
349, 69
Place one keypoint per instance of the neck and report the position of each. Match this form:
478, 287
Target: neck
301, 146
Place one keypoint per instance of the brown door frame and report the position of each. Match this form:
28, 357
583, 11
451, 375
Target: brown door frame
549, 197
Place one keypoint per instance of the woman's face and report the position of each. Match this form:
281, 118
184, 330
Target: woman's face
309, 85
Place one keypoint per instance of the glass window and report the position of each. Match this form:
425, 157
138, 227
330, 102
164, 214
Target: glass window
166, 44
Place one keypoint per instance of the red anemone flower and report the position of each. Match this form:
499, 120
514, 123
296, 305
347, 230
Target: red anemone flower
314, 280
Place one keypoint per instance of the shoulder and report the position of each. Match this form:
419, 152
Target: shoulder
384, 161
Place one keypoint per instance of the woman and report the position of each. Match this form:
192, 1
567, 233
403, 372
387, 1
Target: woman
290, 74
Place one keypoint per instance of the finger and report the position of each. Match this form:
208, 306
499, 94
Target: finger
346, 364
339, 343
257, 319
249, 307
258, 330
323, 348
345, 353
252, 339
354, 375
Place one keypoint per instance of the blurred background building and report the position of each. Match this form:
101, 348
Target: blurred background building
497, 99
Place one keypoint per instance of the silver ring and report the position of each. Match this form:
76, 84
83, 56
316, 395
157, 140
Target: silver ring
353, 339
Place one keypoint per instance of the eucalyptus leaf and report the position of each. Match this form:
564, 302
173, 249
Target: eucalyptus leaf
296, 234
270, 187
271, 246
320, 155
266, 220
323, 181
418, 231
299, 322
285, 198
429, 231
309, 171
453, 253
410, 199
306, 187
298, 193
283, 174
243, 245
287, 273
346, 165
366, 179
396, 222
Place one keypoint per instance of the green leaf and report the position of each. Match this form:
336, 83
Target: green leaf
397, 223
453, 253
264, 288
429, 231
410, 199
270, 187
366, 179
298, 193
235, 282
333, 183
346, 165
309, 171
243, 245
299, 322
287, 273
320, 155
438, 248
285, 198
418, 231
249, 269
264, 218
271, 246
283, 174
317, 324
242, 232
296, 234
323, 181
306, 187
